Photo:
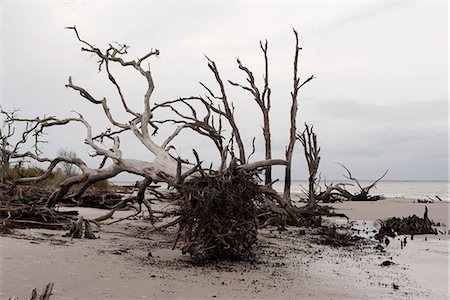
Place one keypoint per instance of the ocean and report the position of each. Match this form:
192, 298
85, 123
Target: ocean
405, 189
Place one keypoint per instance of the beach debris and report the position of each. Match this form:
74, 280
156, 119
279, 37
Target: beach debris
411, 225
44, 295
338, 192
94, 197
379, 247
425, 201
76, 229
387, 263
429, 200
35, 216
363, 194
330, 236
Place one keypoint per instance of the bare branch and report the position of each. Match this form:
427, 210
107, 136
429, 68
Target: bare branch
228, 113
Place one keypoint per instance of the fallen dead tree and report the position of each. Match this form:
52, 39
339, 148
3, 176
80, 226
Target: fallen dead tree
338, 192
34, 216
38, 195
363, 194
411, 225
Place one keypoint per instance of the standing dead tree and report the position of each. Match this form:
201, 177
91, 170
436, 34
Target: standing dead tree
311, 150
293, 118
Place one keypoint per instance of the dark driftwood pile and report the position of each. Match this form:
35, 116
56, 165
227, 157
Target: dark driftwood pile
331, 237
38, 195
411, 225
34, 216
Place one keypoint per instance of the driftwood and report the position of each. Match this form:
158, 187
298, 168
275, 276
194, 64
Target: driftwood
411, 225
363, 194
44, 295
31, 216
80, 227
338, 192
38, 194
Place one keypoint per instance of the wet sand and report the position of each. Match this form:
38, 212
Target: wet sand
394, 207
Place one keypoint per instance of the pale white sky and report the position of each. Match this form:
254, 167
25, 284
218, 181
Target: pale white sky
380, 100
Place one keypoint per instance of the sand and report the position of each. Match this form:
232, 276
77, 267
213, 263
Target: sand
394, 207
289, 265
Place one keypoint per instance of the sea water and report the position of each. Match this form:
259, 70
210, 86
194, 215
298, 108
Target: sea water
405, 189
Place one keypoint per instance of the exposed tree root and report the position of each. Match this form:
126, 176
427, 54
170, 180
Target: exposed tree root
218, 215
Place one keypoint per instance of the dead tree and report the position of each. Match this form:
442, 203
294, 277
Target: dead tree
234, 182
363, 194
309, 142
163, 167
263, 101
12, 139
293, 118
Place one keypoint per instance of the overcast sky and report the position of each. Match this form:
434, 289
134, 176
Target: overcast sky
380, 99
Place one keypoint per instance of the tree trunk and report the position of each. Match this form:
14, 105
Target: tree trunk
268, 146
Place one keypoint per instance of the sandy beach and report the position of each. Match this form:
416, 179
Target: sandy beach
128, 263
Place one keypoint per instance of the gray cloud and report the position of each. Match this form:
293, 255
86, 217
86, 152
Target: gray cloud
379, 100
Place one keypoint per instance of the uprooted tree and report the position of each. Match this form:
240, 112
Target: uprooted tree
363, 194
339, 192
219, 208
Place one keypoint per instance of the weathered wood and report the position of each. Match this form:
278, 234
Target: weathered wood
263, 101
311, 150
88, 232
411, 225
76, 231
293, 119
45, 295
363, 194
